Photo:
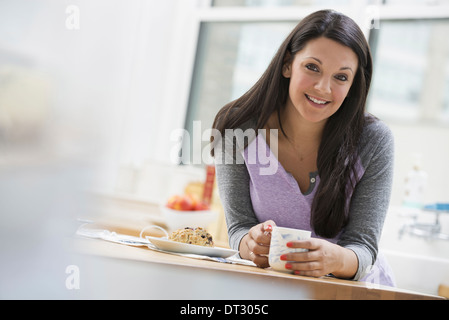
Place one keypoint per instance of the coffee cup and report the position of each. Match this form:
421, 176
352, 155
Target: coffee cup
280, 236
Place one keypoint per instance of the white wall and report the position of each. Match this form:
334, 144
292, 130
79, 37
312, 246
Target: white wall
107, 78
431, 142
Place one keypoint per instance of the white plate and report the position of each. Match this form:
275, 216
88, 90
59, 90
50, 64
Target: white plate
179, 247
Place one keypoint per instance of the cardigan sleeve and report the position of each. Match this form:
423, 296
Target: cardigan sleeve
371, 196
233, 189
233, 183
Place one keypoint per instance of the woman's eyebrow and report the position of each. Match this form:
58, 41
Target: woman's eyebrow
319, 61
347, 68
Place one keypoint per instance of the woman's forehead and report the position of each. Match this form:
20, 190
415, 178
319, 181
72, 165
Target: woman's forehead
329, 52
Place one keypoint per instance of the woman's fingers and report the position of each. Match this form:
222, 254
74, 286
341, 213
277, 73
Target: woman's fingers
258, 248
300, 256
310, 244
261, 233
268, 225
259, 260
258, 242
321, 258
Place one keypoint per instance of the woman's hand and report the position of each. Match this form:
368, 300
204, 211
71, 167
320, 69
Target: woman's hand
323, 258
255, 245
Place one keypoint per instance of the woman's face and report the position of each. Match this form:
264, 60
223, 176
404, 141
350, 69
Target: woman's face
321, 75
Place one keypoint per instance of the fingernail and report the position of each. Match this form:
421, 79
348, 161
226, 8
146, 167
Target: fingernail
298, 272
288, 266
283, 257
289, 244
269, 227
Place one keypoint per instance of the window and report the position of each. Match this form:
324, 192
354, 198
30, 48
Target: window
408, 40
231, 56
411, 74
262, 3
419, 2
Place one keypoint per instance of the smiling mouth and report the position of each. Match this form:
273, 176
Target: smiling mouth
316, 100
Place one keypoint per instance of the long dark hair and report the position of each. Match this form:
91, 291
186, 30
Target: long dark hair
337, 153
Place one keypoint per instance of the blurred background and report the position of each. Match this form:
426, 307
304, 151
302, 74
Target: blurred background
92, 93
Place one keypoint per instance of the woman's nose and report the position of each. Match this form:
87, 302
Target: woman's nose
323, 85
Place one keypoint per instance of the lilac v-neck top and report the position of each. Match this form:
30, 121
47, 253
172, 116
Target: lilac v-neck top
254, 189
277, 196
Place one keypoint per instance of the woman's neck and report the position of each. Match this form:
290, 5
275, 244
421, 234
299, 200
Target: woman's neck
299, 131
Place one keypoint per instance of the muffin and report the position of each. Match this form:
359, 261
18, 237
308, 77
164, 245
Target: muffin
198, 236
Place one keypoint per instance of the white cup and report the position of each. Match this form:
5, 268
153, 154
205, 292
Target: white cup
278, 246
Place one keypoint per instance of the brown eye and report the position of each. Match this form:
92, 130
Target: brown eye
341, 77
312, 67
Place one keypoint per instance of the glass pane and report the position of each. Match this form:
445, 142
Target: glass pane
266, 3
411, 62
416, 2
231, 57
445, 113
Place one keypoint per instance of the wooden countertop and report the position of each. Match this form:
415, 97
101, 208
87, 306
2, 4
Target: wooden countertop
315, 288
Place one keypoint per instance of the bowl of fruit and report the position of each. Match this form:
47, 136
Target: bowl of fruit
187, 210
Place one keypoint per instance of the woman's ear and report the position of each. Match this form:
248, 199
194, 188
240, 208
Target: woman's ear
287, 67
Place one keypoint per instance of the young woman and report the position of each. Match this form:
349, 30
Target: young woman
335, 161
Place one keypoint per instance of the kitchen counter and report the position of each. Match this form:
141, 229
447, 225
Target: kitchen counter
115, 271
109, 270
